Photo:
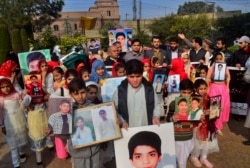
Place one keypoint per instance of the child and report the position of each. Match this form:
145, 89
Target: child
84, 74
220, 88
145, 146
98, 71
34, 88
183, 129
118, 70
147, 71
93, 92
155, 62
47, 77
13, 119
205, 139
87, 157
59, 123
59, 81
183, 109
202, 72
196, 112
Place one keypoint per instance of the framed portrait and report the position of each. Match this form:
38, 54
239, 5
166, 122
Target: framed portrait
29, 60
215, 107
188, 109
108, 88
60, 115
173, 83
219, 71
93, 45
146, 140
94, 124
158, 81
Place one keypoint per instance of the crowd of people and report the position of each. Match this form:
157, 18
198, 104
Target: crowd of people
137, 100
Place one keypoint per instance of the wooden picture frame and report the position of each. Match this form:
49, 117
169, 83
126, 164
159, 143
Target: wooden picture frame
99, 122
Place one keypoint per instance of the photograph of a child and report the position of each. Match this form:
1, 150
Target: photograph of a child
158, 82
215, 107
173, 83
182, 106
33, 84
59, 114
146, 147
196, 111
219, 72
93, 45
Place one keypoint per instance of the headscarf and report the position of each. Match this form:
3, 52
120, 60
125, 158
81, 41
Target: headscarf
178, 68
7, 68
114, 73
149, 73
96, 65
8, 81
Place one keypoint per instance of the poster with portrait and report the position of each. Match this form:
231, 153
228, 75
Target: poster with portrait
94, 124
158, 82
173, 83
219, 71
29, 60
124, 36
109, 86
59, 115
147, 140
187, 109
93, 45
215, 107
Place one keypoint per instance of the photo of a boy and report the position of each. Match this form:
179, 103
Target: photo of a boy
158, 83
219, 72
34, 86
195, 112
182, 109
214, 110
145, 149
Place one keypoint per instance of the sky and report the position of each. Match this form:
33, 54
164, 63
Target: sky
155, 8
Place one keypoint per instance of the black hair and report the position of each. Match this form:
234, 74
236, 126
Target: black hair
79, 61
204, 67
199, 82
135, 40
102, 111
154, 59
79, 118
186, 84
146, 138
119, 34
220, 65
173, 39
159, 76
181, 100
222, 39
34, 56
58, 70
76, 84
118, 66
196, 99
71, 72
198, 40
82, 70
92, 40
91, 87
32, 76
155, 37
117, 42
134, 66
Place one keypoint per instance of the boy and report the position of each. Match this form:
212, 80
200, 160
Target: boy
183, 129
145, 149
87, 157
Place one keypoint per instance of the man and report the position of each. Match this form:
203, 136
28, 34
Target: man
197, 53
136, 102
113, 56
136, 51
240, 56
145, 149
221, 47
157, 51
173, 51
107, 127
119, 48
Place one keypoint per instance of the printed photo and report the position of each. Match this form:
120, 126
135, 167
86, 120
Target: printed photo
158, 82
148, 142
219, 71
33, 84
215, 107
173, 83
93, 45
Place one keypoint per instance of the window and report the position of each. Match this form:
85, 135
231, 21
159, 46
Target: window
56, 28
75, 26
108, 13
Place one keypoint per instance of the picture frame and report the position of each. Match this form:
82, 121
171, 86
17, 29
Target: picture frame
57, 107
99, 122
139, 136
158, 81
93, 45
188, 108
215, 107
174, 83
219, 71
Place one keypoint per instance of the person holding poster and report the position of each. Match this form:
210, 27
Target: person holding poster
135, 99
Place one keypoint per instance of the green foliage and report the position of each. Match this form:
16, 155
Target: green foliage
143, 37
5, 43
233, 48
67, 43
104, 29
24, 39
105, 43
47, 39
191, 26
16, 40
195, 8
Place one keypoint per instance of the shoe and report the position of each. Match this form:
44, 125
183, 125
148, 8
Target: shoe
207, 163
23, 158
195, 161
219, 132
49, 143
247, 142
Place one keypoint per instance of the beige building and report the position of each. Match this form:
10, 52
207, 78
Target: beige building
103, 10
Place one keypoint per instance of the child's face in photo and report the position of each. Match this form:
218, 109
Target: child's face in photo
186, 93
69, 79
146, 67
44, 67
34, 80
100, 71
145, 157
5, 88
92, 94
158, 80
64, 108
203, 73
134, 80
57, 76
202, 90
85, 76
182, 106
121, 72
79, 97
194, 104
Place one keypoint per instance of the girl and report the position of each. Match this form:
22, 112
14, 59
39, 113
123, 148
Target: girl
220, 88
47, 77
188, 67
155, 62
98, 71
84, 74
13, 119
93, 92
203, 69
58, 78
205, 140
147, 71
118, 70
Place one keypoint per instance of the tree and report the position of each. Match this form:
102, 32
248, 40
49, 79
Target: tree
5, 43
